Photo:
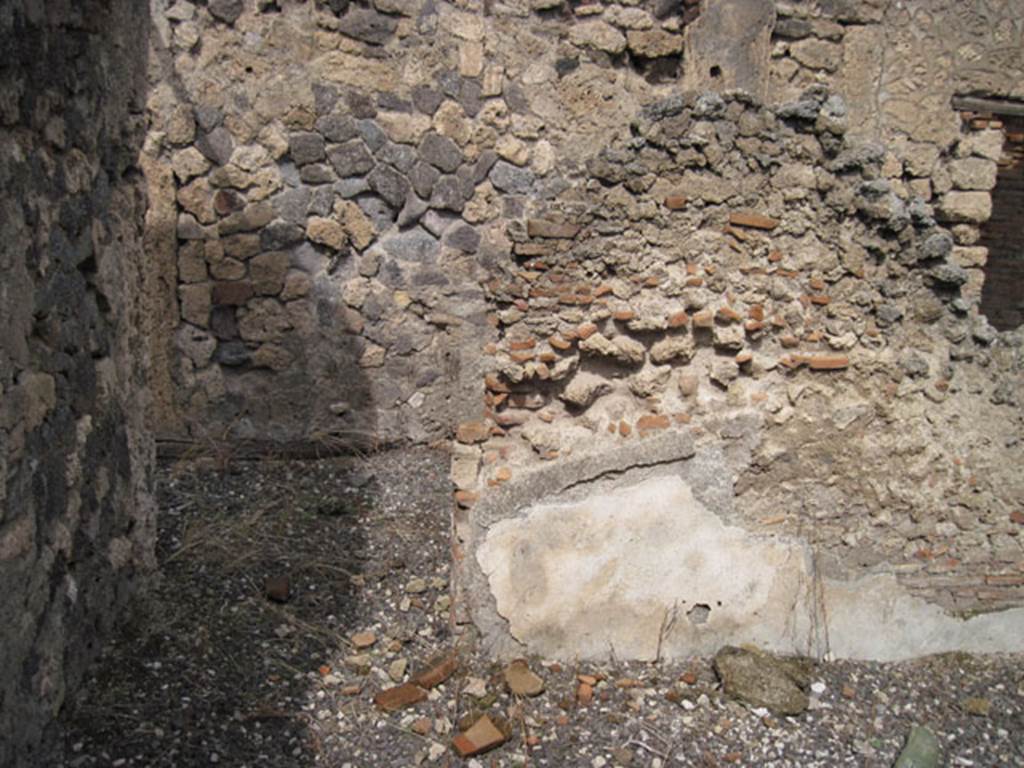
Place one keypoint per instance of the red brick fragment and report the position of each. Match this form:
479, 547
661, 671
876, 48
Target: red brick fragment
559, 343
728, 315
399, 697
753, 220
586, 330
520, 344
481, 736
675, 202
623, 315
438, 671
493, 383
829, 362
678, 319
652, 422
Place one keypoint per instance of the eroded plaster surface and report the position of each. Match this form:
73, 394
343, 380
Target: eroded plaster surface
647, 571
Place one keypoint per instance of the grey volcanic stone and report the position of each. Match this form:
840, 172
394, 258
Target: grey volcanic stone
372, 134
337, 128
423, 178
463, 237
292, 204
508, 178
209, 117
401, 156
441, 152
484, 164
412, 211
389, 184
232, 354
414, 245
217, 145
447, 194
278, 235
306, 147
227, 11
317, 173
367, 26
426, 100
351, 158
351, 187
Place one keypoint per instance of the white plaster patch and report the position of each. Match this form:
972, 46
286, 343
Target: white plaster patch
647, 570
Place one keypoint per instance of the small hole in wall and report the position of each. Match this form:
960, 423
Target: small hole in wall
716, 71
699, 613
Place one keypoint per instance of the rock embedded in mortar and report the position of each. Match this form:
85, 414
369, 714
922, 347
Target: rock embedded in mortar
760, 679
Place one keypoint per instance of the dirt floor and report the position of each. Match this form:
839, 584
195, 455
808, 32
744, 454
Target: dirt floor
292, 593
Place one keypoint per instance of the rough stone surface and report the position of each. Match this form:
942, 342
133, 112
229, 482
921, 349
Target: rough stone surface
76, 514
795, 254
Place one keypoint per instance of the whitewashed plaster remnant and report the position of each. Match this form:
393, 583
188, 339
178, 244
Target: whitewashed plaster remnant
647, 569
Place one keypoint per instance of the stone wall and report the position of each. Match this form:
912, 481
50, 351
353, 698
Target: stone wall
76, 516
554, 230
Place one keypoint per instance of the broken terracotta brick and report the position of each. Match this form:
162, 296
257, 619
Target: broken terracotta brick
728, 315
652, 422
399, 697
678, 319
584, 694
494, 384
518, 345
752, 220
559, 343
585, 331
437, 672
622, 315
829, 362
624, 429
481, 737
675, 202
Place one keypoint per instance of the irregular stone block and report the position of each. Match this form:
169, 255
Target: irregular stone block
351, 158
367, 26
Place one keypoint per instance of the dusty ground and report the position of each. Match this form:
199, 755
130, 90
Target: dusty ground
213, 672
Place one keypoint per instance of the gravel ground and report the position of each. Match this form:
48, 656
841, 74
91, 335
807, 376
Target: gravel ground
213, 671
